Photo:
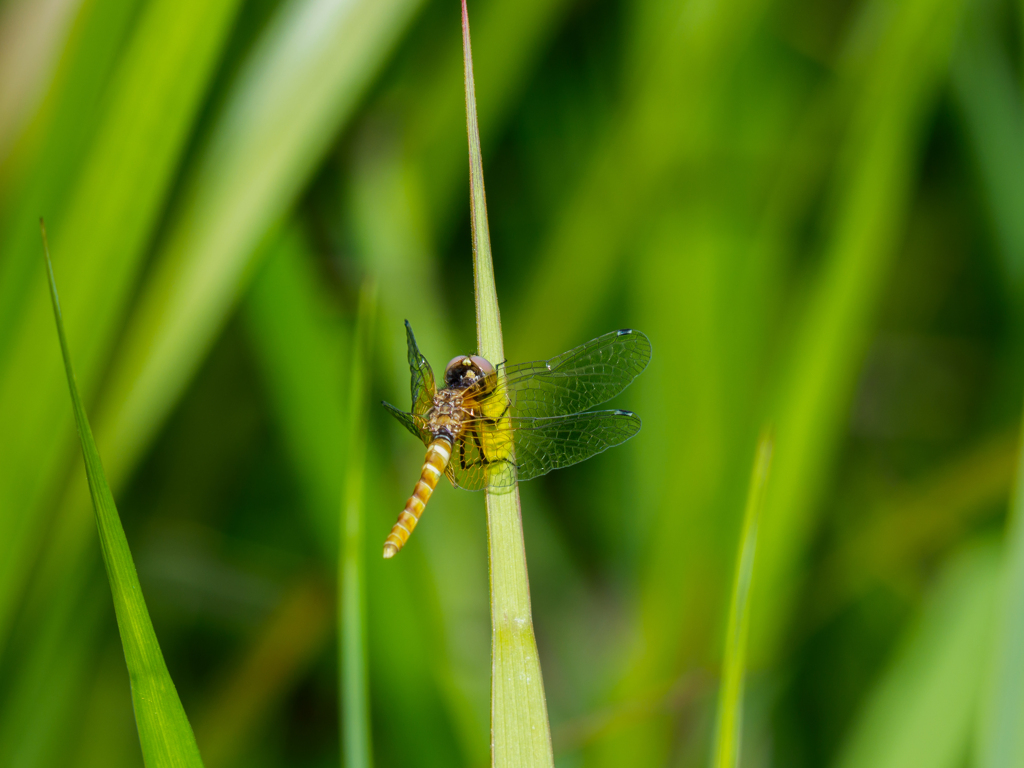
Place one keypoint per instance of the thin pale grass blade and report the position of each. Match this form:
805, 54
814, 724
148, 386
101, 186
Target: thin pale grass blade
923, 709
354, 682
164, 731
520, 732
730, 696
1001, 741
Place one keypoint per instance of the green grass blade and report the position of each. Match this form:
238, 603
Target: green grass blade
730, 697
164, 731
922, 710
1001, 742
355, 684
520, 732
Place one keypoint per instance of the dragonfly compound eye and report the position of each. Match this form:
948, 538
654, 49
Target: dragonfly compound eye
464, 370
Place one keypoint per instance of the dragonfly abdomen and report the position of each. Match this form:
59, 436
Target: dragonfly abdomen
439, 452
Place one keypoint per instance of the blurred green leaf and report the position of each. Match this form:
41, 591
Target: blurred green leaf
245, 699
294, 92
729, 730
164, 731
904, 61
680, 56
1001, 742
922, 710
111, 212
391, 242
42, 699
301, 347
265, 143
511, 36
354, 681
42, 166
988, 93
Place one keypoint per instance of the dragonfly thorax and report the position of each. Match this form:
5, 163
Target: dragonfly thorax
447, 414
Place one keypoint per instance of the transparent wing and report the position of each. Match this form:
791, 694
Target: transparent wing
483, 454
414, 423
579, 379
422, 383
544, 444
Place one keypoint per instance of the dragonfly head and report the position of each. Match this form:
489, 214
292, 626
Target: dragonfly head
465, 370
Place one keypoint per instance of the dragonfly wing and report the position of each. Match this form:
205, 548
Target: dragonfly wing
544, 444
422, 383
412, 422
579, 379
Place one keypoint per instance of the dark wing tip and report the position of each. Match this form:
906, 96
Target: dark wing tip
625, 331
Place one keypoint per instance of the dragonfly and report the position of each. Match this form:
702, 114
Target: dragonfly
490, 426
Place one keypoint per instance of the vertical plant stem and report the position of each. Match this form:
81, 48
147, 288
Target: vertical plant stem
520, 733
355, 693
730, 696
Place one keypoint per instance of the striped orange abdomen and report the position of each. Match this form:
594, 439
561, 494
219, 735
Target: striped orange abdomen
439, 452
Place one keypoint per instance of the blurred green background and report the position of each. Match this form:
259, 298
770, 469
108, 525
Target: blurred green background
814, 210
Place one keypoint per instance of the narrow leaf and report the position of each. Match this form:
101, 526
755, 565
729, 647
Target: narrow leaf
922, 710
730, 697
520, 732
1001, 743
355, 684
164, 731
